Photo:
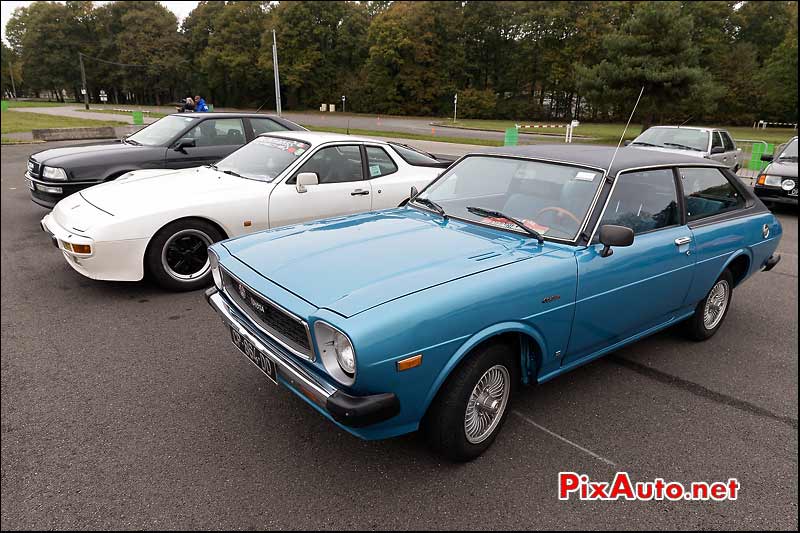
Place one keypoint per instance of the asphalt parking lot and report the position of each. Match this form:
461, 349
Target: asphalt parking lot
124, 406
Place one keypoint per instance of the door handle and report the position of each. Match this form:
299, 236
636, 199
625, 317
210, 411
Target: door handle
359, 192
682, 240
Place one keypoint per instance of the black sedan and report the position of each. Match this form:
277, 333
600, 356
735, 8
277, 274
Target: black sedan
777, 184
180, 140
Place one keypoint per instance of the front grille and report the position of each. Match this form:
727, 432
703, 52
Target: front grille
34, 168
288, 330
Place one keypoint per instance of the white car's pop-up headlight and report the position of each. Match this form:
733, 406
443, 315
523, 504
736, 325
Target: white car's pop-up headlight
213, 261
336, 351
54, 173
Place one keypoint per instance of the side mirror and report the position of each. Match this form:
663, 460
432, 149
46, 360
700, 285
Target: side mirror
611, 235
414, 193
717, 150
304, 179
626, 143
767, 157
185, 143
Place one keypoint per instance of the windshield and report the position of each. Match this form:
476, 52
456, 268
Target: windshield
263, 159
548, 198
790, 152
161, 131
677, 138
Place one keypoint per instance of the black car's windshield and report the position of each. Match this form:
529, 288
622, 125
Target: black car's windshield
160, 132
790, 152
548, 198
263, 159
677, 138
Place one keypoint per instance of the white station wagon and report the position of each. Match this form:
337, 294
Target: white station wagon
162, 221
710, 143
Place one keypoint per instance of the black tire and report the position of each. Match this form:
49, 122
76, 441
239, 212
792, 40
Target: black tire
444, 424
695, 326
182, 239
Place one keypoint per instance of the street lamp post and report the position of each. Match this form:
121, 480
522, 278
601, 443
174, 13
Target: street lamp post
455, 107
277, 77
344, 99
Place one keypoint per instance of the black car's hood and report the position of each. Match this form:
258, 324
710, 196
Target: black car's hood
91, 161
782, 168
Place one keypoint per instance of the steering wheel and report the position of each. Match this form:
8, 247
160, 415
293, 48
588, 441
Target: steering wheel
560, 211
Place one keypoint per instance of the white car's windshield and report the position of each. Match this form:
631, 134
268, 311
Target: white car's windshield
790, 152
161, 131
548, 198
676, 138
263, 159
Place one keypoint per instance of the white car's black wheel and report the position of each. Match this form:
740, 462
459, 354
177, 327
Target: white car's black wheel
469, 411
177, 257
710, 313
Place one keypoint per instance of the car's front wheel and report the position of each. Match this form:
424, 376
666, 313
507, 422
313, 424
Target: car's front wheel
177, 257
469, 411
710, 313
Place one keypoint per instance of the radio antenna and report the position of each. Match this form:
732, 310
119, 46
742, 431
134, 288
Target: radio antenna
626, 129
685, 121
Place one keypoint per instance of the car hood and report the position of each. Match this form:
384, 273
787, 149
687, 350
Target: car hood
351, 264
782, 168
143, 191
668, 150
70, 155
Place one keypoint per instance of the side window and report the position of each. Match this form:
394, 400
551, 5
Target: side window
218, 132
644, 201
716, 140
336, 164
265, 125
727, 142
707, 192
379, 163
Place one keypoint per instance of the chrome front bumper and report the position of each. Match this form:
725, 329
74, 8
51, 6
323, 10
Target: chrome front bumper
353, 411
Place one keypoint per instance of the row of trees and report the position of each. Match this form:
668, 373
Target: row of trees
715, 60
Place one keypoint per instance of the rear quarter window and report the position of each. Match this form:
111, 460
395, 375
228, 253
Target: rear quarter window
707, 192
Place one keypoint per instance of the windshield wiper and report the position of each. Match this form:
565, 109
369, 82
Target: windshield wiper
131, 141
683, 146
481, 212
645, 144
229, 172
433, 205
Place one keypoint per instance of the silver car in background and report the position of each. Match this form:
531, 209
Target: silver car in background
710, 143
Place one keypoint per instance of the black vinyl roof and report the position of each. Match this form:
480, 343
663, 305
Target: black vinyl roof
600, 156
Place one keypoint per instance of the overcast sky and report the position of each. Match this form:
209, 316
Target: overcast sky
181, 9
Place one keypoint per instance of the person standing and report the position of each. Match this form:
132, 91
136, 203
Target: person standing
200, 105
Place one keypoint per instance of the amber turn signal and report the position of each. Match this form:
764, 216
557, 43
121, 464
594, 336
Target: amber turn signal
410, 362
81, 248
761, 179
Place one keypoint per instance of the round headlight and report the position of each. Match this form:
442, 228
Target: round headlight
336, 351
54, 173
788, 185
213, 261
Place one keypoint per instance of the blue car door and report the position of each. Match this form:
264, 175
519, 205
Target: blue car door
641, 286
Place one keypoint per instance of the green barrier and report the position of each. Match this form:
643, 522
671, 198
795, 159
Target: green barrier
759, 149
512, 137
138, 118
4, 105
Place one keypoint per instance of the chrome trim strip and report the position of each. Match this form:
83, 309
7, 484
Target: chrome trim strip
284, 367
670, 166
271, 334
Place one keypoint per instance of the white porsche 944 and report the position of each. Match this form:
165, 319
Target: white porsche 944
160, 222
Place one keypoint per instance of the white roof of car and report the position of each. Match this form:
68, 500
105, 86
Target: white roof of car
319, 137
698, 128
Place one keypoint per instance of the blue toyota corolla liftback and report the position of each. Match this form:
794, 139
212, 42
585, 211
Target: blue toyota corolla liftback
514, 266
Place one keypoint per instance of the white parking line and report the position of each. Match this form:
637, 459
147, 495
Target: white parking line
564, 439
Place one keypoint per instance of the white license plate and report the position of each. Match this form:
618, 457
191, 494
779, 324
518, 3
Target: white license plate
256, 356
